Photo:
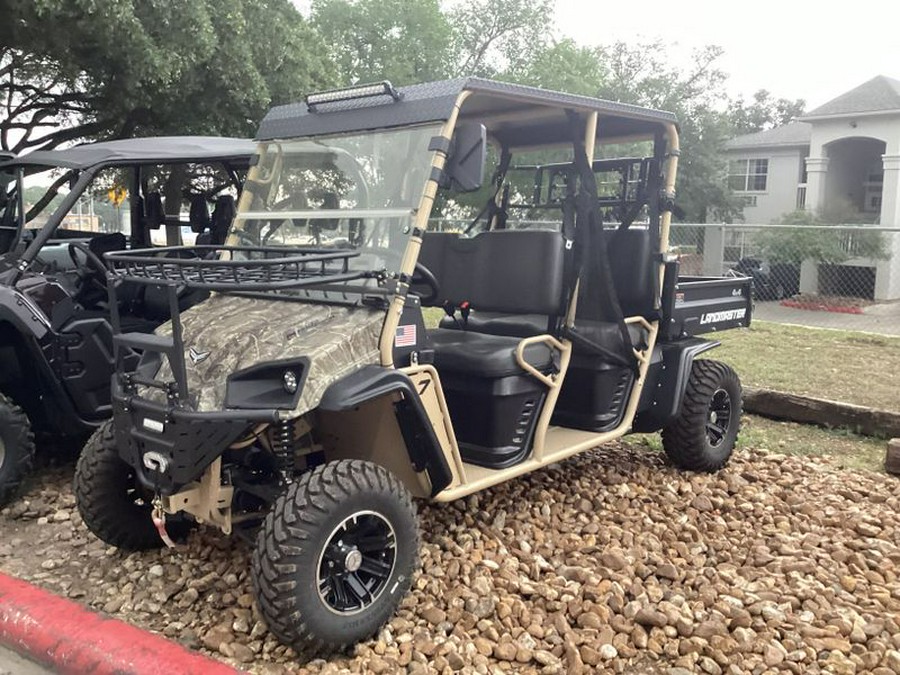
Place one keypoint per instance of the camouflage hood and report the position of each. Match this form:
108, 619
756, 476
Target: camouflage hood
235, 333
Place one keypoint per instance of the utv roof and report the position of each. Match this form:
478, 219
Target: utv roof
161, 149
511, 107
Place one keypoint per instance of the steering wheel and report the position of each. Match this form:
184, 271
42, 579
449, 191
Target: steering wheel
96, 269
421, 274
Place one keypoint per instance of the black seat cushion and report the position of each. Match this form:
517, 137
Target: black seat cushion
488, 356
495, 323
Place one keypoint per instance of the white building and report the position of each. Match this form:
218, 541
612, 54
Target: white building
841, 158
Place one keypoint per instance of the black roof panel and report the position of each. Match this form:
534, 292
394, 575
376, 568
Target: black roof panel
434, 101
161, 149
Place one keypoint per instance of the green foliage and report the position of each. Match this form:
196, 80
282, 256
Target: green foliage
494, 38
113, 68
403, 41
93, 69
763, 113
824, 245
564, 66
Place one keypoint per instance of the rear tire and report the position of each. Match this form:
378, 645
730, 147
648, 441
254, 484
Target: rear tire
335, 556
110, 501
16, 448
703, 436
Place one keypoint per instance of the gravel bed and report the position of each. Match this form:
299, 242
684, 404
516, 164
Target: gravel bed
610, 562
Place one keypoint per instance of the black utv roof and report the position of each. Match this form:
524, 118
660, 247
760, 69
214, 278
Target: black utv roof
511, 105
161, 149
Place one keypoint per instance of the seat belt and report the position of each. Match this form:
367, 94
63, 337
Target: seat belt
590, 227
497, 180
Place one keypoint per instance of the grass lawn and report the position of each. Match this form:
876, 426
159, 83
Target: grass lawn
788, 438
842, 366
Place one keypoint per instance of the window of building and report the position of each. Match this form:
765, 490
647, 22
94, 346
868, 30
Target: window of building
748, 175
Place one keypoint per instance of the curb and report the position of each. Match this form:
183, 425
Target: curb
71, 639
808, 410
822, 307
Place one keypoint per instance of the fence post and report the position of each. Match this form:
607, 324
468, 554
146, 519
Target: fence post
714, 251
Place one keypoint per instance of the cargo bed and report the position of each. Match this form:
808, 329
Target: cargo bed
698, 305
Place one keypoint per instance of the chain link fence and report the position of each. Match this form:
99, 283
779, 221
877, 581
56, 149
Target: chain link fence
826, 276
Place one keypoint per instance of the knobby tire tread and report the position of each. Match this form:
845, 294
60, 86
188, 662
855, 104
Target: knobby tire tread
685, 440
297, 516
19, 451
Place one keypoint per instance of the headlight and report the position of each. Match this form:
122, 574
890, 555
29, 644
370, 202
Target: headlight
275, 385
290, 381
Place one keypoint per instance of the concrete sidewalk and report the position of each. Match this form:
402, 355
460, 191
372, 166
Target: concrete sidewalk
883, 318
13, 664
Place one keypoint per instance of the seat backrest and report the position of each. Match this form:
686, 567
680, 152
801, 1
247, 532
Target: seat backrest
222, 216
631, 261
199, 214
154, 213
514, 271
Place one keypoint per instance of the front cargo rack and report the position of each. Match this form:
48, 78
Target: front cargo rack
245, 270
256, 268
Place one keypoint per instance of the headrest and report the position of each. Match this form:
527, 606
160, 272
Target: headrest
222, 216
224, 212
154, 213
199, 214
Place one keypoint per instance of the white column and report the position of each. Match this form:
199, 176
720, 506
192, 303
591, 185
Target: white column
714, 251
887, 272
816, 171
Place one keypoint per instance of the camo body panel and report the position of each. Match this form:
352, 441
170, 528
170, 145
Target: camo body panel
242, 332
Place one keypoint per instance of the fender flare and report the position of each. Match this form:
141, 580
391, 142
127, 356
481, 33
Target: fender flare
669, 383
21, 312
372, 382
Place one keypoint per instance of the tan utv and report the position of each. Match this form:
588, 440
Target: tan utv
306, 403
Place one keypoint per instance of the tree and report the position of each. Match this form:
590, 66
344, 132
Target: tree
564, 66
404, 41
74, 69
763, 113
499, 36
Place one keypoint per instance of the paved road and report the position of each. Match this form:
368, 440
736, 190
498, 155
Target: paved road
883, 318
13, 664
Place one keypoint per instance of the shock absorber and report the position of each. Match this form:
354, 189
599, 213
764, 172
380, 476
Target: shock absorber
283, 446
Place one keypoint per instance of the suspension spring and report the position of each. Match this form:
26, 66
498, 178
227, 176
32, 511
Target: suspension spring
283, 445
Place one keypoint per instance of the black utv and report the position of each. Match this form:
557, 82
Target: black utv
60, 211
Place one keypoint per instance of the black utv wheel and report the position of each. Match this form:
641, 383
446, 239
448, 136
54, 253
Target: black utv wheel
703, 436
112, 504
16, 448
335, 556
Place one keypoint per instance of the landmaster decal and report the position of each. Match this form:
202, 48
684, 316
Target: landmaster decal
724, 315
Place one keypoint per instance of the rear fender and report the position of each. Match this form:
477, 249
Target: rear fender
667, 382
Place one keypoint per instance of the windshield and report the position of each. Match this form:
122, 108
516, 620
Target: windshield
344, 192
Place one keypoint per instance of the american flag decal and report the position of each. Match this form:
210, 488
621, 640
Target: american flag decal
406, 336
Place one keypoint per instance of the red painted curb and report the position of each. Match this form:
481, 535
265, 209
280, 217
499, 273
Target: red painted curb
71, 639
822, 307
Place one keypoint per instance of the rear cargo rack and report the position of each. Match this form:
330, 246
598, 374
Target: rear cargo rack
258, 268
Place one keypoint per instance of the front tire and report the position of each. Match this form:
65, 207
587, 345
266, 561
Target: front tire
335, 556
16, 448
703, 436
112, 504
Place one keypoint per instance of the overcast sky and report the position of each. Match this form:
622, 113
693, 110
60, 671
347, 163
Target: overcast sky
793, 48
